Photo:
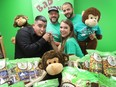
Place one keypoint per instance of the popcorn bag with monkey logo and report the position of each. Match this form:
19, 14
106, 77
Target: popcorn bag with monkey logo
3, 72
109, 66
22, 72
96, 63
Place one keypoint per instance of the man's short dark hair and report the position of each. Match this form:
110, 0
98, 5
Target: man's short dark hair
68, 3
41, 18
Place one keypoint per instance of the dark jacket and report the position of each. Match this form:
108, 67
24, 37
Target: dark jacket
28, 44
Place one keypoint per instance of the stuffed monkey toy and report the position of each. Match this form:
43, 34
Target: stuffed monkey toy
90, 31
52, 62
20, 21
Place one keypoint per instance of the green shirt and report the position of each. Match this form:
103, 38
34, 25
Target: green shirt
55, 30
72, 47
75, 20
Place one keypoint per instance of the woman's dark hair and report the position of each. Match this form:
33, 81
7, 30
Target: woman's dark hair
71, 34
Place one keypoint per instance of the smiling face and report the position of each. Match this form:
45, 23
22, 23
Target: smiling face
40, 27
64, 29
67, 10
53, 16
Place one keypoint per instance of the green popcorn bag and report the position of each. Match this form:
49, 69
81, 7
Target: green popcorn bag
114, 52
85, 62
3, 72
47, 83
74, 77
18, 84
73, 61
90, 51
4, 85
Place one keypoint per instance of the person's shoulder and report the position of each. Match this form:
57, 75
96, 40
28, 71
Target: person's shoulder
78, 15
71, 39
26, 29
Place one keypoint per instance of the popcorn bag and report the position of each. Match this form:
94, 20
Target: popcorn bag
22, 72
3, 72
34, 71
74, 61
47, 83
96, 63
109, 66
74, 77
75, 64
85, 65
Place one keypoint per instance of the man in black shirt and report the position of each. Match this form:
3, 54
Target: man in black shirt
33, 41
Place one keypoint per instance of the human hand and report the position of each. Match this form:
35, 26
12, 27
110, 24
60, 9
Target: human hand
57, 43
46, 36
59, 47
51, 37
13, 40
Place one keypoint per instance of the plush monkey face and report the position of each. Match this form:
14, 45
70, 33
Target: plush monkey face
20, 21
91, 21
91, 17
52, 62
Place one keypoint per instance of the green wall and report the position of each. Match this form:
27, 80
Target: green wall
10, 8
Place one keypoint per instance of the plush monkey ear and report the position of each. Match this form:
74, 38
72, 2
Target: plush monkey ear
82, 13
40, 65
26, 17
66, 57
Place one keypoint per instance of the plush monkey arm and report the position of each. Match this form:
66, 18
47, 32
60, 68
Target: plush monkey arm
36, 80
92, 36
98, 33
99, 37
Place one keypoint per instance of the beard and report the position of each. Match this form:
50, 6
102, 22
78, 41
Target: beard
69, 15
54, 20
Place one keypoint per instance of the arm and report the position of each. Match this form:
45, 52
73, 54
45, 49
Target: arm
98, 33
53, 43
28, 44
